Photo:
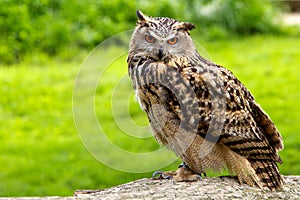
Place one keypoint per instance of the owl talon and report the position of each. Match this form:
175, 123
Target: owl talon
184, 165
182, 174
199, 177
161, 175
157, 173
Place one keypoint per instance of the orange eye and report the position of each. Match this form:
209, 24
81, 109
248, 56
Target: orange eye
149, 38
173, 41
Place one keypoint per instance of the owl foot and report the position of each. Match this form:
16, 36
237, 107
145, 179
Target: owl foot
186, 166
183, 173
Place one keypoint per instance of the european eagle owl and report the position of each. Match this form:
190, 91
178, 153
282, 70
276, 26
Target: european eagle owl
199, 109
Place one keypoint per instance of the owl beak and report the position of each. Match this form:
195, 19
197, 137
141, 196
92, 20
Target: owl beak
161, 53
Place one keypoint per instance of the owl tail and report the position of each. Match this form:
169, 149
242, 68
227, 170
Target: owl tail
268, 173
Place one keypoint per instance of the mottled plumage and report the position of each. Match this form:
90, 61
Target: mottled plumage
199, 109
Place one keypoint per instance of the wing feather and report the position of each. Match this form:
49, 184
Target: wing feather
248, 130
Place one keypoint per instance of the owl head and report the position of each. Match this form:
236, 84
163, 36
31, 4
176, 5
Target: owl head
161, 38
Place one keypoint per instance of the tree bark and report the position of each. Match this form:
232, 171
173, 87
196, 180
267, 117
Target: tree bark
207, 188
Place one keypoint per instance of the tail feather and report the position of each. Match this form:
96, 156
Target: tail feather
268, 173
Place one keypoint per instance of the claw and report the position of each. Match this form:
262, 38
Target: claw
168, 177
184, 165
199, 177
161, 175
156, 173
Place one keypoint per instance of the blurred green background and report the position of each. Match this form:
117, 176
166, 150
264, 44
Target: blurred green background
44, 42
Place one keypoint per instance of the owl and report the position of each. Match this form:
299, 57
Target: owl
198, 109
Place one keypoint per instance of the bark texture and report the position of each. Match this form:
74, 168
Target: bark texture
208, 188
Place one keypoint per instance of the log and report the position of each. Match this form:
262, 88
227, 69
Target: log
207, 188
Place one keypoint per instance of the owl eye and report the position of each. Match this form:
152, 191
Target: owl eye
173, 41
149, 38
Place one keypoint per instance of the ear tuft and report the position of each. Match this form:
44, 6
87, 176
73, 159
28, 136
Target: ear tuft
187, 26
141, 16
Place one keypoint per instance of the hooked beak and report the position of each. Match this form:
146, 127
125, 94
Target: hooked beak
161, 53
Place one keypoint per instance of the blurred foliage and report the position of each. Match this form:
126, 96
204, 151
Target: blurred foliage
60, 27
238, 16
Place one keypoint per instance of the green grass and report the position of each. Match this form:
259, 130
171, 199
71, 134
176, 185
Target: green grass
42, 154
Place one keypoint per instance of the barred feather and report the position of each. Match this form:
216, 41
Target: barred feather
199, 109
